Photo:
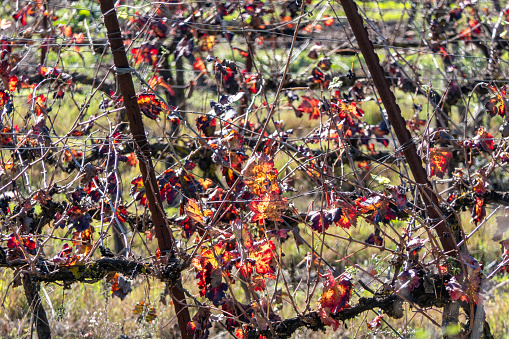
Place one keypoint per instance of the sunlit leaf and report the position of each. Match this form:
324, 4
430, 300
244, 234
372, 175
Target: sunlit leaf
268, 207
335, 297
438, 161
310, 106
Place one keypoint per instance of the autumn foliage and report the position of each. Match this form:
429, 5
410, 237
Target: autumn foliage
287, 195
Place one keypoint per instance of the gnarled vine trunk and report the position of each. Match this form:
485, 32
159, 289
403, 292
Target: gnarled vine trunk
39, 317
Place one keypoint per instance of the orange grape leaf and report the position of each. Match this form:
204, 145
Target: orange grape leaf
478, 211
155, 81
208, 256
328, 21
40, 104
151, 315
78, 38
261, 175
73, 154
336, 292
208, 43
146, 53
150, 105
13, 83
335, 297
348, 216
65, 30
132, 160
438, 161
263, 256
194, 211
198, 65
205, 183
287, 18
269, 206
480, 183
308, 28
114, 286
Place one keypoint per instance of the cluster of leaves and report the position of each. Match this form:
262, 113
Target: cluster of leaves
238, 206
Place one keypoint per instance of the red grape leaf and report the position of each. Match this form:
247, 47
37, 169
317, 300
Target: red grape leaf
376, 322
505, 248
485, 139
438, 161
4, 97
310, 106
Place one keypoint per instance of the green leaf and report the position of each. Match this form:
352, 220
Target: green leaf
84, 12
123, 14
426, 88
335, 83
381, 180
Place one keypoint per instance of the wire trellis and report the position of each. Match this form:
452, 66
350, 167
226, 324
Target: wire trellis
249, 103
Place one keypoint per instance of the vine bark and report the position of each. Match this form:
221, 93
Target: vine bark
125, 82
